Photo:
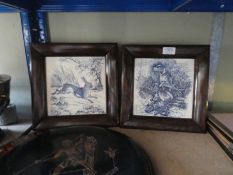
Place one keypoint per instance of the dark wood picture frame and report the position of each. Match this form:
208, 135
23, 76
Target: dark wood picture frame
39, 52
200, 53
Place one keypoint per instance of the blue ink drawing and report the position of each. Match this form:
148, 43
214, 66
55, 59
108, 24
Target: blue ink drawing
163, 87
75, 85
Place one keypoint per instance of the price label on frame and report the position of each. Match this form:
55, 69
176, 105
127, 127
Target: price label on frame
169, 50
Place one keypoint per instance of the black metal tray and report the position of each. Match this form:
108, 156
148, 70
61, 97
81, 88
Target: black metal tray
74, 151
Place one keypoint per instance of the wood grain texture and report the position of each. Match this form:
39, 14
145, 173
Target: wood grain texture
39, 97
200, 53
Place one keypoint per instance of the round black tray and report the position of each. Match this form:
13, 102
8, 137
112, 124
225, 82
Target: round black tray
77, 151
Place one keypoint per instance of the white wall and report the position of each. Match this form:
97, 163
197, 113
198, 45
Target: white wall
156, 28
13, 62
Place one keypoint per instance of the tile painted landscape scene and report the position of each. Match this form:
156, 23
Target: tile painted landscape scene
163, 87
76, 85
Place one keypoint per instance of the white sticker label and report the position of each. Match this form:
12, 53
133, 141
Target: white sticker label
169, 50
